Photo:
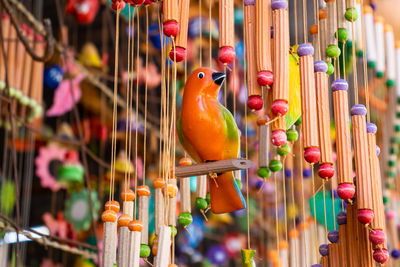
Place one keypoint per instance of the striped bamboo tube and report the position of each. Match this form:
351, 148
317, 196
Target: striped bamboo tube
332, 22
392, 232
280, 90
179, 53
390, 56
326, 169
352, 235
369, 31
163, 247
315, 39
127, 197
135, 228
109, 218
28, 61
294, 248
37, 77
11, 56
19, 64
5, 27
143, 193
364, 191
263, 43
172, 192
343, 238
308, 104
201, 189
158, 184
341, 9
346, 188
253, 88
325, 261
323, 29
185, 188
365, 248
113, 206
227, 31
170, 17
263, 142
123, 240
380, 47
334, 255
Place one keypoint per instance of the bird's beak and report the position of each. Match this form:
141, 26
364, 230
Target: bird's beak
218, 77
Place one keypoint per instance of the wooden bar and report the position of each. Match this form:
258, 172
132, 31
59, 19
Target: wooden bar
163, 247
158, 184
143, 193
213, 167
123, 240
263, 143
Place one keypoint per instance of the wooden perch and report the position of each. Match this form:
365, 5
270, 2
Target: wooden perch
219, 166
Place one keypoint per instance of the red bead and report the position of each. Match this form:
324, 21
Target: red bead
377, 237
265, 78
226, 54
326, 170
278, 138
115, 6
311, 154
179, 55
171, 28
365, 216
148, 2
279, 107
346, 191
72, 156
255, 102
381, 255
137, 2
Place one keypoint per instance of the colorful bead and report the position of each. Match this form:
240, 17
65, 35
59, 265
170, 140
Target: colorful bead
201, 203
144, 251
283, 150
292, 135
264, 172
275, 165
351, 14
185, 218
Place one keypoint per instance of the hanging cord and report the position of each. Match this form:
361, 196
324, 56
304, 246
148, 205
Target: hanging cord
302, 187
145, 97
276, 214
201, 35
305, 32
209, 34
315, 210
365, 72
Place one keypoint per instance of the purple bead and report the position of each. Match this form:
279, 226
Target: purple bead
306, 173
395, 253
316, 265
249, 2
323, 250
305, 49
320, 66
358, 109
341, 218
288, 173
371, 128
333, 236
278, 4
339, 84
378, 150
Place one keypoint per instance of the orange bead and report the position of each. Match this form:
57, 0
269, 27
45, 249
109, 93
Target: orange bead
314, 29
172, 190
143, 190
124, 220
397, 45
158, 183
283, 245
293, 233
155, 246
109, 216
185, 162
128, 195
367, 9
322, 14
135, 225
112, 205
262, 121
172, 265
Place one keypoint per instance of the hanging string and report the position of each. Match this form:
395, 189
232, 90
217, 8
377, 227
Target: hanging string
145, 97
315, 210
137, 102
276, 214
353, 48
209, 34
284, 199
333, 207
302, 185
305, 22
326, 222
365, 73
201, 36
294, 213
162, 90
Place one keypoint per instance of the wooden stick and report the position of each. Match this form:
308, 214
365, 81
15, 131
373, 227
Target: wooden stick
294, 248
135, 228
109, 218
172, 202
158, 184
343, 238
143, 193
123, 240
263, 143
201, 191
163, 247
213, 167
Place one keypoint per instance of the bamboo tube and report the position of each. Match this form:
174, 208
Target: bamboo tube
352, 236
315, 39
11, 55
113, 206
283, 253
334, 258
344, 164
380, 47
331, 22
172, 192
304, 237
5, 25
185, 188
227, 31
323, 30
123, 240
343, 238
27, 71
365, 248
308, 104
201, 190
312, 240
143, 193
163, 247
370, 36
364, 191
37, 78
19, 63
392, 231
278, 131
289, 164
294, 248
158, 184
109, 218
326, 169
263, 142
253, 88
181, 37
170, 17
341, 9
325, 261
135, 228
358, 27
263, 43
390, 56
280, 90
127, 197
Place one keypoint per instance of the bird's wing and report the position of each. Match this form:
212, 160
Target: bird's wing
185, 143
231, 133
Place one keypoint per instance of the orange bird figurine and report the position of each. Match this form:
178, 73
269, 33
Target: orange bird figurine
208, 132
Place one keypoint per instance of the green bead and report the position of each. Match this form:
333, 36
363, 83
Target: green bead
379, 74
185, 218
174, 231
331, 69
292, 135
389, 185
390, 83
398, 115
201, 203
342, 35
239, 184
283, 150
398, 101
391, 163
332, 51
208, 198
385, 200
275, 165
395, 140
371, 64
264, 172
397, 128
351, 14
393, 150
144, 251
360, 53
298, 122
391, 173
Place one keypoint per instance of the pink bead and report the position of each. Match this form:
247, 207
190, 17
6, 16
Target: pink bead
179, 55
346, 191
391, 214
311, 154
381, 255
265, 78
279, 107
226, 54
278, 138
365, 216
255, 102
377, 237
326, 170
171, 28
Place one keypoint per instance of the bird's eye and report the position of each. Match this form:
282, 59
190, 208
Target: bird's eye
200, 75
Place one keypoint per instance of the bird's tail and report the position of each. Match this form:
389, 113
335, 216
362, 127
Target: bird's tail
225, 194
